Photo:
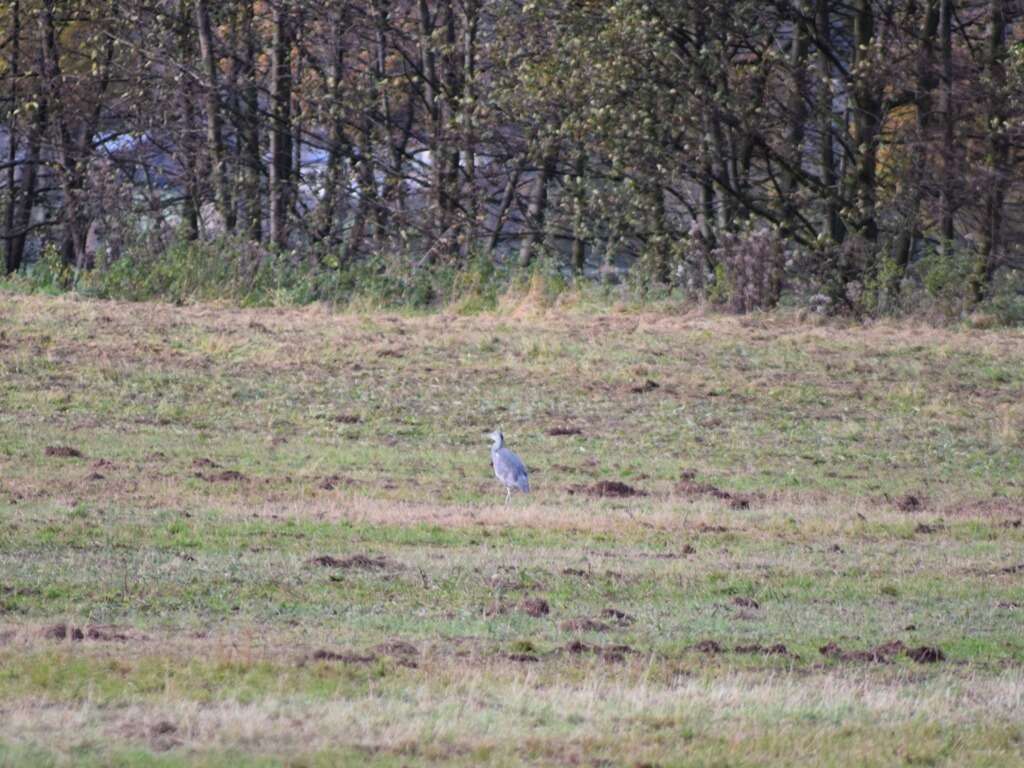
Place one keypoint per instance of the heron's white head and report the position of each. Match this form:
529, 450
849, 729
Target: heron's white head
497, 438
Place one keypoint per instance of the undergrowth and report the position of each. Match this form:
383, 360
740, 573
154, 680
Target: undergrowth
242, 273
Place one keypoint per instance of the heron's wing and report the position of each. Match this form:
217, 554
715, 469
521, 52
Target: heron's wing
510, 469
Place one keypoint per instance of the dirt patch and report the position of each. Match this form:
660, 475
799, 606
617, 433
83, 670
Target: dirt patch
620, 618
401, 652
345, 657
1013, 523
564, 431
62, 632
1006, 570
692, 490
909, 503
705, 528
161, 735
95, 476
577, 647
614, 653
101, 633
106, 634
227, 476
346, 418
708, 646
584, 624
880, 653
575, 572
926, 528
204, 463
356, 562
497, 608
62, 452
607, 489
884, 653
397, 648
746, 602
527, 658
648, 386
608, 653
926, 654
535, 606
18, 591
162, 728
334, 481
102, 464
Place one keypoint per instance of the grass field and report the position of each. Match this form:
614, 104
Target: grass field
233, 537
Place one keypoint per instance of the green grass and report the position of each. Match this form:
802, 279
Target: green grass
883, 468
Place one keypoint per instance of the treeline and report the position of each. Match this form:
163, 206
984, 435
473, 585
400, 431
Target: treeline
856, 151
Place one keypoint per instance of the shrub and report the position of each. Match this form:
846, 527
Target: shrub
753, 262
49, 273
1007, 302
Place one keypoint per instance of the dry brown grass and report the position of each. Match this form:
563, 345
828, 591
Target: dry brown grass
473, 713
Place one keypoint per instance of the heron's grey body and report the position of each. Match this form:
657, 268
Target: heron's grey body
508, 467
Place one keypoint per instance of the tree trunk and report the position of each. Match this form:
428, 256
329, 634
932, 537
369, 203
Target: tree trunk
12, 261
453, 89
468, 109
214, 130
442, 87
249, 131
926, 82
867, 106
536, 210
998, 153
72, 156
392, 179
187, 154
281, 130
714, 139
507, 198
796, 112
296, 107
706, 221
948, 123
823, 32
190, 204
578, 255
657, 236
329, 212
369, 201
22, 218
432, 96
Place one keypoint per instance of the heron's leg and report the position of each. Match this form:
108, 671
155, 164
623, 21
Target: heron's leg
508, 496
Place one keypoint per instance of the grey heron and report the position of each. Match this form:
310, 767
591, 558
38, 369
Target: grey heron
508, 467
